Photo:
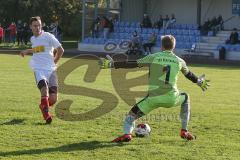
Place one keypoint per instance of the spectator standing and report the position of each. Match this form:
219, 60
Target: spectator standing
105, 25
220, 22
1, 33
171, 22
45, 27
12, 32
146, 22
58, 32
6, 35
19, 32
213, 26
26, 31
206, 27
95, 28
111, 25
214, 22
159, 23
51, 28
165, 21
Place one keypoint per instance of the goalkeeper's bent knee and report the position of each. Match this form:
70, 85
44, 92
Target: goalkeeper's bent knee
187, 98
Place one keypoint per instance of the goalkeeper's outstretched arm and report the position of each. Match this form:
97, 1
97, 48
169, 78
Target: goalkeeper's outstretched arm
110, 63
191, 76
201, 81
125, 64
105, 63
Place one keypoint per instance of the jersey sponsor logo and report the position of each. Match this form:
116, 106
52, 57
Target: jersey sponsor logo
38, 49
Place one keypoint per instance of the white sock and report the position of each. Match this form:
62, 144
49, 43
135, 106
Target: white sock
129, 124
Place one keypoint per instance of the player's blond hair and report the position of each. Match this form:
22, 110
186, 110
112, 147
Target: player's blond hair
168, 42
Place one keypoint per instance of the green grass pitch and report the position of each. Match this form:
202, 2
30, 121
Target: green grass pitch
215, 119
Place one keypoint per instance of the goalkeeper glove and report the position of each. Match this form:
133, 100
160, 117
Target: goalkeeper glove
203, 83
106, 63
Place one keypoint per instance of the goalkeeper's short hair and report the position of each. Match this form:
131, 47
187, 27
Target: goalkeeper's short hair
168, 42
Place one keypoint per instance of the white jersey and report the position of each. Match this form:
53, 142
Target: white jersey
44, 59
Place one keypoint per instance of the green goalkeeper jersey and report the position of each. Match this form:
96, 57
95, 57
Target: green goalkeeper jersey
164, 68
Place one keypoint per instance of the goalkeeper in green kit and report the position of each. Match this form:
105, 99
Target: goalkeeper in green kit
164, 68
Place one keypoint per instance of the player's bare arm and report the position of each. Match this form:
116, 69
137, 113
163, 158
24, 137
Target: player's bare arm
25, 52
58, 55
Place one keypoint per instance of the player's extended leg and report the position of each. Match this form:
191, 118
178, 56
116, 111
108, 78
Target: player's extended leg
44, 105
53, 88
185, 116
53, 95
129, 124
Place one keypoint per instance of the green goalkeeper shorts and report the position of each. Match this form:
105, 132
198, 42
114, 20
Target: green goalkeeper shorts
148, 104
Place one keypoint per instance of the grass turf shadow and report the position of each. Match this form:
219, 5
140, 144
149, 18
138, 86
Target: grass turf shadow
91, 145
14, 122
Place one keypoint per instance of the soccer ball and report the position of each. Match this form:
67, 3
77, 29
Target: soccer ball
142, 130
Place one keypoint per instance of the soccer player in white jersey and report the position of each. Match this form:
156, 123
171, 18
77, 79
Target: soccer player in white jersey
44, 65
